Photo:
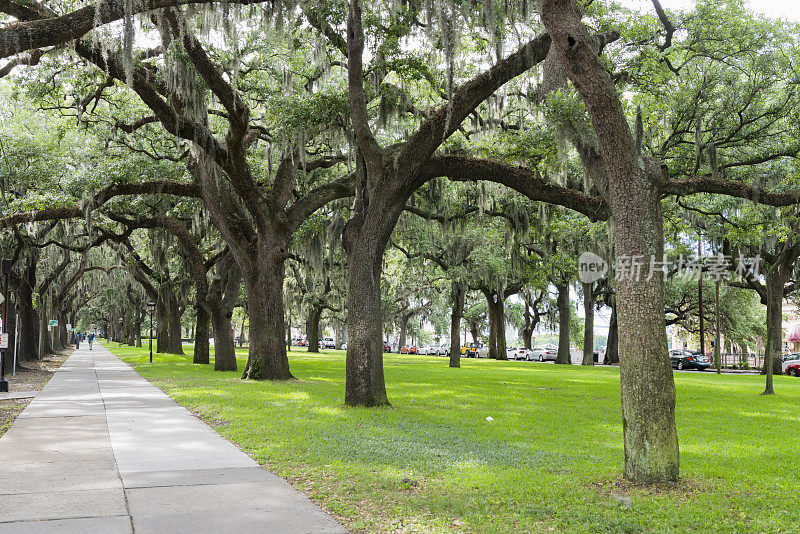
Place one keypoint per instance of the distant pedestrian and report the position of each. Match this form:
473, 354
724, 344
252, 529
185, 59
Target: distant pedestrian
90, 338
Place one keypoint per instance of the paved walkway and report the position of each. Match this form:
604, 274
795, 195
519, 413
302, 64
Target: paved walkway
102, 450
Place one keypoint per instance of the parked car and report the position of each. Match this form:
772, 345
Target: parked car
684, 359
545, 353
344, 346
793, 369
387, 347
408, 349
470, 350
428, 350
788, 360
519, 353
328, 343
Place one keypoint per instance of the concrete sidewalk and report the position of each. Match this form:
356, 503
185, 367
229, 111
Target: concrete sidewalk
102, 450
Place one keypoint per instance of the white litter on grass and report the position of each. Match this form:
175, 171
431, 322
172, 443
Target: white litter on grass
490, 419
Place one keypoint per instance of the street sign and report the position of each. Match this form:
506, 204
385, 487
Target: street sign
53, 322
2, 298
3, 341
69, 327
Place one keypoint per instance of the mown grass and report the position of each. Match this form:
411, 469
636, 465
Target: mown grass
549, 461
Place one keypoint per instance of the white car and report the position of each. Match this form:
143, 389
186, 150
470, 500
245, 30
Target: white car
344, 346
432, 350
789, 359
329, 343
519, 353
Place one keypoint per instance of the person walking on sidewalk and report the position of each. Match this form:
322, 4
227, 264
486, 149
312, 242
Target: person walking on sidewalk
90, 338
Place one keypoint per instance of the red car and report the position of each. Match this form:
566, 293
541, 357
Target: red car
793, 369
408, 350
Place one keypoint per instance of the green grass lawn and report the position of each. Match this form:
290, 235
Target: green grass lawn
549, 461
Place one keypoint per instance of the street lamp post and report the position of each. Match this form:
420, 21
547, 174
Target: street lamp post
150, 307
120, 332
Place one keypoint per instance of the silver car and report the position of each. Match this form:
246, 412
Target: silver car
545, 353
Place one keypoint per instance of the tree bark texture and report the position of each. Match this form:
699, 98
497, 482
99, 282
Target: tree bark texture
29, 320
564, 321
612, 341
648, 390
201, 334
772, 353
312, 327
263, 279
458, 293
223, 295
588, 326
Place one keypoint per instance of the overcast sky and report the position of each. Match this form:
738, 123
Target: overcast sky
787, 9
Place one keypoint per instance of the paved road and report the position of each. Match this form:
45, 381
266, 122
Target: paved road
102, 450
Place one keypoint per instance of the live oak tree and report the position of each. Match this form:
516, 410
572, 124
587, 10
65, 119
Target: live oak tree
633, 187
256, 221
257, 210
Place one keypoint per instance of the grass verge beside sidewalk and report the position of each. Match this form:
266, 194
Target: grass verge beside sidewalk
549, 459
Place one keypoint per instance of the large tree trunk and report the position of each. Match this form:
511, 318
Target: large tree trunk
201, 331
772, 355
63, 335
473, 331
564, 319
162, 324
648, 389
223, 294
500, 325
612, 341
774, 283
497, 327
403, 329
365, 384
263, 281
175, 315
132, 323
365, 241
45, 344
138, 329
312, 328
29, 322
458, 293
224, 347
529, 326
588, 327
